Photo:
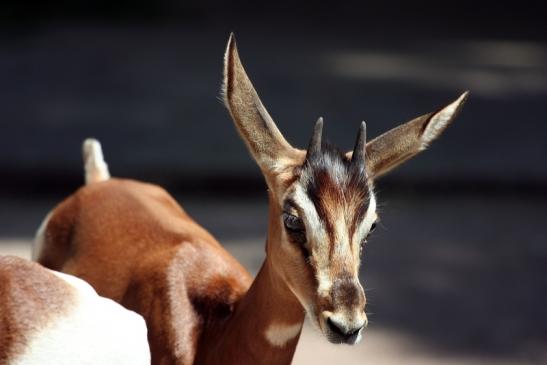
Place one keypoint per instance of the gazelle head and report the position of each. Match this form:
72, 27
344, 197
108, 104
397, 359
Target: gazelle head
322, 201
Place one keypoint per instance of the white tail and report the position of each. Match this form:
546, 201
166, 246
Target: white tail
96, 169
136, 245
48, 317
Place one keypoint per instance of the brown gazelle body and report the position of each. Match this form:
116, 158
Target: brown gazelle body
134, 244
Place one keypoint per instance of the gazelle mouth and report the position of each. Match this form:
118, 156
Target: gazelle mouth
336, 336
338, 333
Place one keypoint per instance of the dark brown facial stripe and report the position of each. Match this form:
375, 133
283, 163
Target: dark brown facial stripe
356, 211
336, 188
324, 195
347, 292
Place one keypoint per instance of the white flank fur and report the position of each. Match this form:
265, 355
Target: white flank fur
279, 334
96, 331
95, 167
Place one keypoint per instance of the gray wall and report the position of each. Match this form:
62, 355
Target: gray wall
149, 91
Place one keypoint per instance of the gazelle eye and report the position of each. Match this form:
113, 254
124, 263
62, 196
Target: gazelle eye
296, 231
372, 228
293, 223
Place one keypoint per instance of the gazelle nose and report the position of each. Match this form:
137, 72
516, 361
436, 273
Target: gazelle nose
343, 331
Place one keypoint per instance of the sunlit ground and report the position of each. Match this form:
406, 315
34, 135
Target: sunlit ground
379, 346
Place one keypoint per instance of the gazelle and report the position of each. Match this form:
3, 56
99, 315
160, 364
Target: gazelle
48, 317
136, 245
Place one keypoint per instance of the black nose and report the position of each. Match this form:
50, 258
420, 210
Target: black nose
340, 331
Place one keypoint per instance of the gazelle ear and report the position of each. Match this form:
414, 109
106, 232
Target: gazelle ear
394, 147
266, 144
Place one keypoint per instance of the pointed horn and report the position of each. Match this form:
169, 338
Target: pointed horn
314, 147
359, 150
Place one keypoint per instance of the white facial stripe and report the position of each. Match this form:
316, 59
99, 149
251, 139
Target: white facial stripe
278, 334
370, 218
315, 227
324, 282
371, 215
317, 234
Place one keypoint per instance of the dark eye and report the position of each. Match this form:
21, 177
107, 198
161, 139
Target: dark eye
372, 228
295, 230
293, 223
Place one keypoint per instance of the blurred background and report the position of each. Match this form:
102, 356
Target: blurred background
457, 274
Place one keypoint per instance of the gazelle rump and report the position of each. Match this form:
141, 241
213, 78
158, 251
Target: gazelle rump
53, 318
135, 244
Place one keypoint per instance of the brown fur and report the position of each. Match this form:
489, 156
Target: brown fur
31, 297
134, 244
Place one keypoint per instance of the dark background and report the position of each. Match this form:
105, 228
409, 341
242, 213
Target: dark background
461, 262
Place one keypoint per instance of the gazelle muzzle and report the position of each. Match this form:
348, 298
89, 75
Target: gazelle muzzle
346, 320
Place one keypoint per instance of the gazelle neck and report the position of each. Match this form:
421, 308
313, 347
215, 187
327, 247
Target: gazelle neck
265, 326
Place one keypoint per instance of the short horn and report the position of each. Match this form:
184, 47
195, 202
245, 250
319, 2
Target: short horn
358, 157
314, 147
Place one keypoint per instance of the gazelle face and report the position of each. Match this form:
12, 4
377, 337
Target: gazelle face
322, 203
326, 217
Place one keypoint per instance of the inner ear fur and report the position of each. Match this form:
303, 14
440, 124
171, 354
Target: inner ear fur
253, 122
394, 147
